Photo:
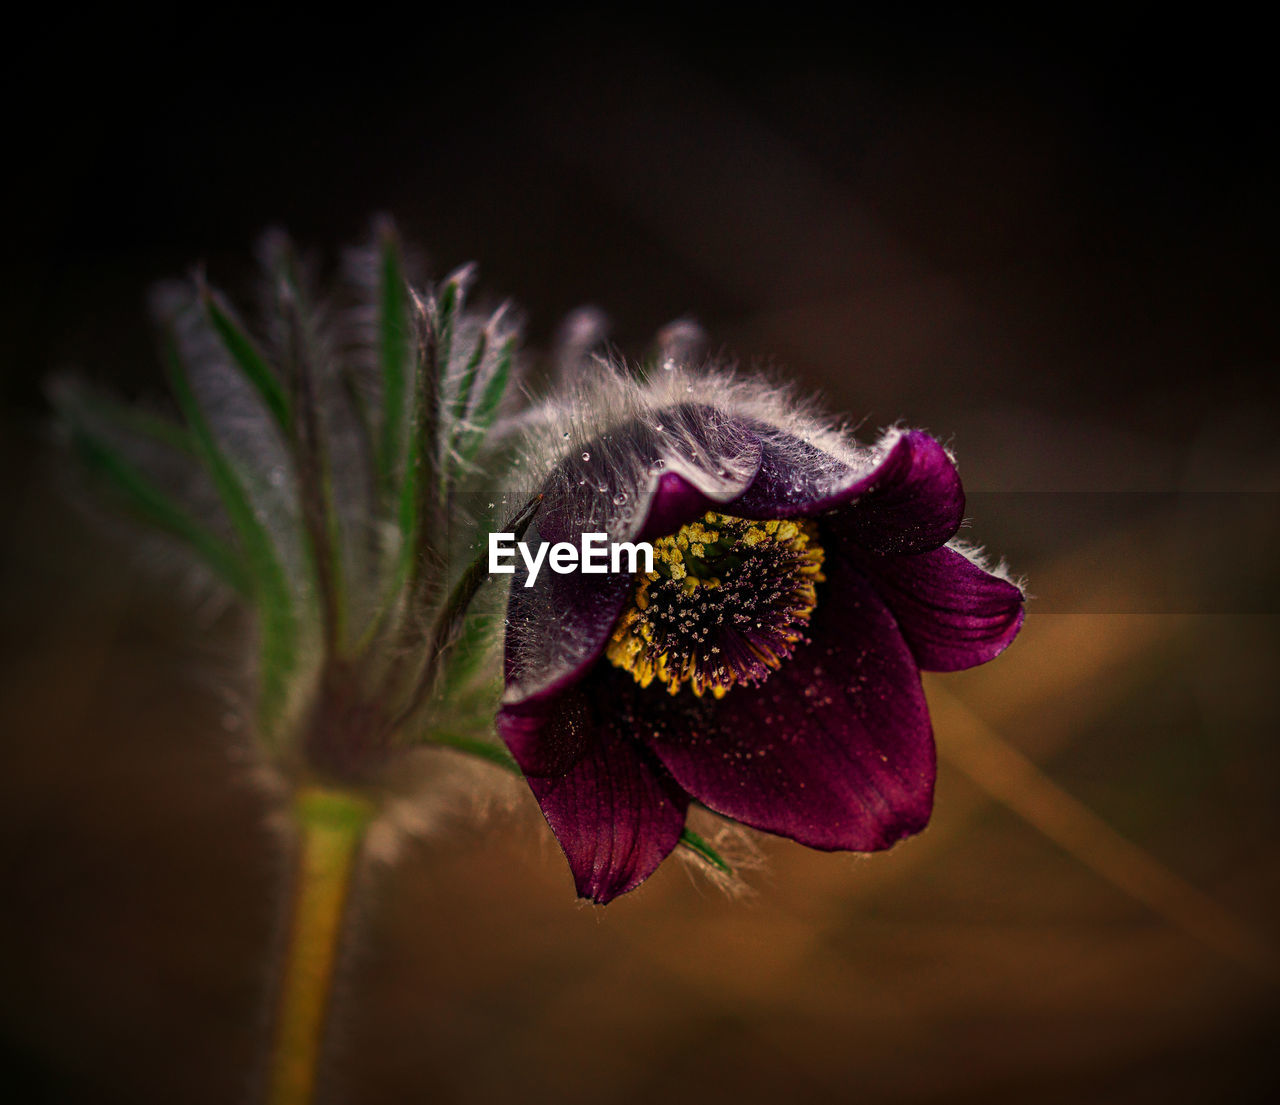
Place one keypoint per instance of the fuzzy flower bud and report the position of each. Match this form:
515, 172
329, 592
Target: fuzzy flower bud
315, 468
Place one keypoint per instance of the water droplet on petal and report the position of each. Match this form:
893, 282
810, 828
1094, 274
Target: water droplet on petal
565, 435
659, 464
620, 498
586, 456
602, 488
668, 365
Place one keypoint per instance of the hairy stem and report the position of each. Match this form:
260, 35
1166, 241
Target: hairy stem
332, 825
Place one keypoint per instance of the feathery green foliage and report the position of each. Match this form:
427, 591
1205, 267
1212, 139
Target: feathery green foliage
269, 586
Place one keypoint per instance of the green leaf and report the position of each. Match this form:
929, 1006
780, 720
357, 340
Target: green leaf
467, 384
699, 847
307, 441
416, 512
469, 648
248, 359
446, 314
269, 584
422, 495
158, 508
393, 359
482, 749
486, 409
413, 501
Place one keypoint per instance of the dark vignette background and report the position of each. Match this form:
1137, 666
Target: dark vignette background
1053, 246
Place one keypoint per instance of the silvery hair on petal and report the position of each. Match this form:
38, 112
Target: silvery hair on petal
600, 438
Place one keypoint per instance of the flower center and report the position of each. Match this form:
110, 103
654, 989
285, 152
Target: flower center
728, 600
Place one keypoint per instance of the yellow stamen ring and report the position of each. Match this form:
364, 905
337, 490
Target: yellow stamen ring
727, 602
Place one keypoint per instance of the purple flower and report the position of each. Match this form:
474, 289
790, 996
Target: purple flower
769, 667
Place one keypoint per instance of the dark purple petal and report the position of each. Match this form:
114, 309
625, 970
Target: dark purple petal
546, 734
901, 496
557, 629
953, 614
674, 501
833, 750
616, 812
911, 503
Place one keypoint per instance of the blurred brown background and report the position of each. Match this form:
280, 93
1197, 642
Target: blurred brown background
1054, 248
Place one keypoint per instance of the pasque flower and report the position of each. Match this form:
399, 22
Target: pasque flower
334, 468
769, 666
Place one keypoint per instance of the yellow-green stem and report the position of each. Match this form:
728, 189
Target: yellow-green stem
331, 824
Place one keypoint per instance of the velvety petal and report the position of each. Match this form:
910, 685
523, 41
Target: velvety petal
798, 478
647, 478
833, 750
952, 613
545, 733
911, 503
902, 495
616, 812
639, 482
674, 501
556, 630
